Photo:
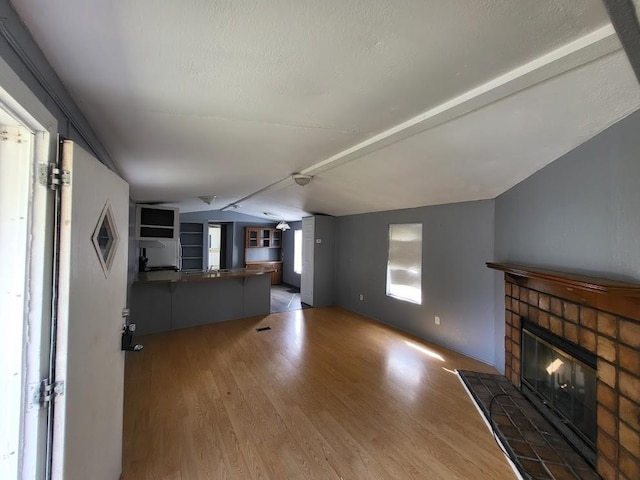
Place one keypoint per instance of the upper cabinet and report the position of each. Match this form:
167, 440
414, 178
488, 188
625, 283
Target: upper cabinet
157, 223
252, 237
261, 237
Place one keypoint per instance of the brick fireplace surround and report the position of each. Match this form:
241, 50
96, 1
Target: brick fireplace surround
603, 317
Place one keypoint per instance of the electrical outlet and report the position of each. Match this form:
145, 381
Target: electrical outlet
437, 320
361, 297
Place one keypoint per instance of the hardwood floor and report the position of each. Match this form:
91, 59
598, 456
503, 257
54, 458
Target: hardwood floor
323, 394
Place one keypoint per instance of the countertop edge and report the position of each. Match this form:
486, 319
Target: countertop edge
183, 277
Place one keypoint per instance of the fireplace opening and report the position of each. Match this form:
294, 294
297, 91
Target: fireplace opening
560, 379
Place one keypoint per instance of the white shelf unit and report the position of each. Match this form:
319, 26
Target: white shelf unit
157, 223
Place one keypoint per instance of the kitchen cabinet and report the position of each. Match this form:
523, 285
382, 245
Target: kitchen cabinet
318, 254
263, 249
251, 240
276, 238
192, 245
260, 237
276, 277
157, 223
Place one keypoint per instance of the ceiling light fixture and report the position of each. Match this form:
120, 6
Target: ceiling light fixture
301, 179
284, 226
208, 199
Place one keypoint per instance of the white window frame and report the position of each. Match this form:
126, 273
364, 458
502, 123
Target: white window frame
404, 262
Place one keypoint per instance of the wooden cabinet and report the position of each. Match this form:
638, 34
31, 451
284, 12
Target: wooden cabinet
157, 223
276, 238
251, 240
192, 244
276, 277
259, 237
263, 249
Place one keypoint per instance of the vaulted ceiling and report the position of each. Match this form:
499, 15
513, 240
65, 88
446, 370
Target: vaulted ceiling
386, 103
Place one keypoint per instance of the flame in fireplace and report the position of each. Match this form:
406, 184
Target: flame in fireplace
554, 366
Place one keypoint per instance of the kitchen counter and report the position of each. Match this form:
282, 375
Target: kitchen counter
276, 265
164, 301
169, 276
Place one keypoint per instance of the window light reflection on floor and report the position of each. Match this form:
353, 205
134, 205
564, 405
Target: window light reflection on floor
425, 350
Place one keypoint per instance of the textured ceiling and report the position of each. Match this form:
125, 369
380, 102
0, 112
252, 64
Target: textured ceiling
226, 98
456, 156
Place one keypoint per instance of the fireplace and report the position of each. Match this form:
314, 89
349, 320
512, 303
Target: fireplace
560, 379
602, 318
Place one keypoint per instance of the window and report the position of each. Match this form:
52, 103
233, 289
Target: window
404, 268
297, 251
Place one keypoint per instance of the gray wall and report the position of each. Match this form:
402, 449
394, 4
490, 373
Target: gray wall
324, 260
288, 275
581, 213
456, 284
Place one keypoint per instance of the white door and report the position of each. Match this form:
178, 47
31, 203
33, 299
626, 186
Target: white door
87, 428
306, 279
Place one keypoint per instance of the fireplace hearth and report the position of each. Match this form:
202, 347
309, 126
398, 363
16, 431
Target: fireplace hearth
600, 316
534, 446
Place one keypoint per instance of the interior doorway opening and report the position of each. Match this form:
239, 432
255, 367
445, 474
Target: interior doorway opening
16, 157
215, 246
27, 141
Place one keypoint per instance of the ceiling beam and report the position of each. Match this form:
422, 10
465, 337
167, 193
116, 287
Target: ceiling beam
586, 49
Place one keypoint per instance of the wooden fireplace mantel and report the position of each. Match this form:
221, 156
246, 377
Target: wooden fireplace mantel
621, 298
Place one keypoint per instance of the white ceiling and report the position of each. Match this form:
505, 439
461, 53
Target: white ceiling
388, 103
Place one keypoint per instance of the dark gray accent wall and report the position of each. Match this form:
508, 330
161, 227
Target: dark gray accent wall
324, 260
288, 275
579, 214
456, 285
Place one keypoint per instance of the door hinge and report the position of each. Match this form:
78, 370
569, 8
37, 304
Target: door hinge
52, 177
45, 392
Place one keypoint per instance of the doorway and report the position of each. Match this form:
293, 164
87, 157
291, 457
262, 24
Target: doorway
25, 238
285, 298
217, 251
215, 246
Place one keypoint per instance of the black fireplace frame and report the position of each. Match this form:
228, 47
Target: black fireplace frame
582, 446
